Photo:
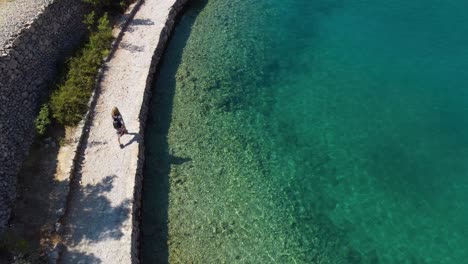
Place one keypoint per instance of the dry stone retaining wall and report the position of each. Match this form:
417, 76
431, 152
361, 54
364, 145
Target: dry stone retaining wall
176, 10
29, 63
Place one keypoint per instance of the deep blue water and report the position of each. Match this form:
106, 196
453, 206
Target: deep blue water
301, 131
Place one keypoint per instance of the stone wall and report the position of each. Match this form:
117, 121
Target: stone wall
176, 10
29, 62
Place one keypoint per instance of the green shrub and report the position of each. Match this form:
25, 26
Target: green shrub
90, 20
109, 5
98, 3
43, 120
70, 101
69, 105
11, 242
123, 4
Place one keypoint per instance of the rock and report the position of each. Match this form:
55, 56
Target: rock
12, 64
53, 257
20, 58
59, 212
58, 227
16, 42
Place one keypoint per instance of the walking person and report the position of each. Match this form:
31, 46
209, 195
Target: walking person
119, 124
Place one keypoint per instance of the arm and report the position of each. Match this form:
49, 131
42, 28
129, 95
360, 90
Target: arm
122, 121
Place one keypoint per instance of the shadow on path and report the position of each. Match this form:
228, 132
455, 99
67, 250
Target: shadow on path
155, 198
96, 219
90, 216
131, 48
136, 138
80, 257
142, 22
139, 22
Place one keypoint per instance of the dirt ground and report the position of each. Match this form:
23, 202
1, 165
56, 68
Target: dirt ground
41, 187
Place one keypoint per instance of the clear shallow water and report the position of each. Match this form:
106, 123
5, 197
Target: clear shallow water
310, 132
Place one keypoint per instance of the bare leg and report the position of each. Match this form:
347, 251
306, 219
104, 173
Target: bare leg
121, 132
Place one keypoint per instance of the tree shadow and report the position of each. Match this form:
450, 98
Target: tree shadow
80, 257
40, 203
94, 207
37, 203
155, 197
142, 22
131, 48
139, 22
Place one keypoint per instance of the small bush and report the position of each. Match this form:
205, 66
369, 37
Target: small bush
90, 20
98, 3
69, 105
43, 121
109, 5
15, 247
70, 101
123, 4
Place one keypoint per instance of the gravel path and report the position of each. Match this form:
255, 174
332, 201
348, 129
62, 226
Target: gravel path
98, 225
15, 13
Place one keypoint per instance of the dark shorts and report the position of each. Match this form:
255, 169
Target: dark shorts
119, 130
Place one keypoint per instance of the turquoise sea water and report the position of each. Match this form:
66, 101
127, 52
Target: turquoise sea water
300, 131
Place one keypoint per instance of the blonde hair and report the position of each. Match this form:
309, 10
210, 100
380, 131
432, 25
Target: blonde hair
115, 111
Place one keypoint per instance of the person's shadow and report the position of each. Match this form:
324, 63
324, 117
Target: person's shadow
136, 138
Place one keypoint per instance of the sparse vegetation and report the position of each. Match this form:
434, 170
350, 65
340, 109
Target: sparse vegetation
89, 20
70, 101
109, 5
67, 105
18, 250
43, 121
